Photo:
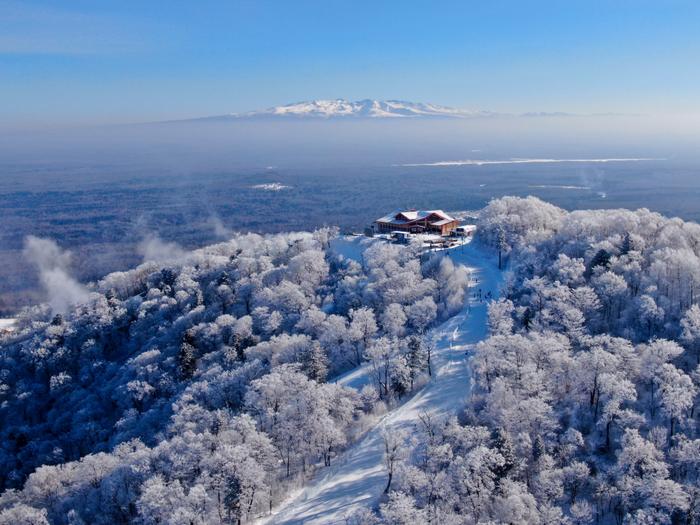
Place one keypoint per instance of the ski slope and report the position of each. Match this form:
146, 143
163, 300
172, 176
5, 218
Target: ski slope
357, 478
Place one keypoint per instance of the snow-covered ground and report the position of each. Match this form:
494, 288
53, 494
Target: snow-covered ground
358, 477
352, 246
271, 186
6, 324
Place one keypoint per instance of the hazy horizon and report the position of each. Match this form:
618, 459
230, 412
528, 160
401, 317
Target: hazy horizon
254, 144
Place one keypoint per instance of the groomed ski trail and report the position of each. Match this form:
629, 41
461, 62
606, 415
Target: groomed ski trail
358, 477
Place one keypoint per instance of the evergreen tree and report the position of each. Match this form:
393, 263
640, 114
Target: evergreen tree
223, 279
168, 277
538, 448
601, 258
501, 244
315, 363
626, 244
502, 444
415, 358
187, 360
232, 501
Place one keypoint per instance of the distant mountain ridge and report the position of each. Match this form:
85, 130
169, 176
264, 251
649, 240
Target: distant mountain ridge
345, 109
342, 109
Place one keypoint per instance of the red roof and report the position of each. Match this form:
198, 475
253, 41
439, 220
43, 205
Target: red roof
403, 217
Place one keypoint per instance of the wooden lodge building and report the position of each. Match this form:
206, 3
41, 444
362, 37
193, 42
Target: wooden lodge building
417, 221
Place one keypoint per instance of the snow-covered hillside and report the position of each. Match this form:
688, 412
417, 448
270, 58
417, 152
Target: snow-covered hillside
210, 387
340, 108
358, 478
232, 348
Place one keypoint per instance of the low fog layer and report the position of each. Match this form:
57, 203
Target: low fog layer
256, 144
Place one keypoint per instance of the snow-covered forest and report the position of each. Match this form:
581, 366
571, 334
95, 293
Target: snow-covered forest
585, 404
198, 390
203, 389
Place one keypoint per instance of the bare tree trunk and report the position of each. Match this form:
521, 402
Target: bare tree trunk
388, 484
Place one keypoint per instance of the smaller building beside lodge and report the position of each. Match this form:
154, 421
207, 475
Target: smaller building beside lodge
417, 221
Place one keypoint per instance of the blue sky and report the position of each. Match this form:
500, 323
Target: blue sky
83, 61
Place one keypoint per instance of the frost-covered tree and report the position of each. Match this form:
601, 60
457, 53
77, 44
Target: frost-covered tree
690, 336
190, 391
586, 388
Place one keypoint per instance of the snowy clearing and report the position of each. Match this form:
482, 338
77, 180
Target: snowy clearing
272, 186
358, 477
351, 246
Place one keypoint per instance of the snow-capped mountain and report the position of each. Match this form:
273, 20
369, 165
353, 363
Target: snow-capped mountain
340, 108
